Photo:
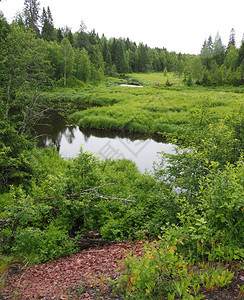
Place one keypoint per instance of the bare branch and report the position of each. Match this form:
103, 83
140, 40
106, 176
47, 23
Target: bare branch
89, 192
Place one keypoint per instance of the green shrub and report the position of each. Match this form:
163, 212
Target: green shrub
210, 224
222, 200
162, 272
28, 242
55, 243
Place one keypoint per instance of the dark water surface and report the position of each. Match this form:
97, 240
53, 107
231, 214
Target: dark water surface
104, 144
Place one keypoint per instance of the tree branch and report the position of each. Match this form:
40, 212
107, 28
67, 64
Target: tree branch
92, 192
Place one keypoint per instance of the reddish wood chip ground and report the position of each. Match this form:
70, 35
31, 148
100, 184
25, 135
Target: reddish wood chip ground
84, 276
81, 276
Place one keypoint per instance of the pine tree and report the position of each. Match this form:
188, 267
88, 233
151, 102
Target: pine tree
106, 54
203, 46
93, 37
232, 38
31, 15
143, 61
241, 54
47, 25
218, 50
43, 17
70, 38
206, 56
82, 37
59, 36
210, 42
66, 33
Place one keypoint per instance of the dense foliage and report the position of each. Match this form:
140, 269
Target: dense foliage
193, 201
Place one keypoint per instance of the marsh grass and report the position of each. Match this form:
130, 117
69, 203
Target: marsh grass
155, 108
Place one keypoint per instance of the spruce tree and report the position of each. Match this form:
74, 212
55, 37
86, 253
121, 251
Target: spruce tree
232, 38
106, 54
70, 38
47, 25
66, 33
218, 50
241, 54
203, 46
59, 36
206, 56
31, 15
210, 42
82, 37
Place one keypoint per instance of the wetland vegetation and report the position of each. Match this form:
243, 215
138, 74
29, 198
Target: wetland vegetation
191, 205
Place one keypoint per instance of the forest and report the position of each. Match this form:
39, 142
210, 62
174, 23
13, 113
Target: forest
188, 213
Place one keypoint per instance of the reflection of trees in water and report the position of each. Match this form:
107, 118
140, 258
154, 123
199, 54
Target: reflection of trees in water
54, 137
57, 141
86, 138
51, 130
70, 134
54, 127
117, 134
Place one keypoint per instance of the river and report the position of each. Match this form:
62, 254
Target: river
68, 140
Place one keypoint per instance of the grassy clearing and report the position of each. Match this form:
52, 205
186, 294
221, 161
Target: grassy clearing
155, 108
158, 78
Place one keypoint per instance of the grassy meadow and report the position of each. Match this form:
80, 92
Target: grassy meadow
155, 108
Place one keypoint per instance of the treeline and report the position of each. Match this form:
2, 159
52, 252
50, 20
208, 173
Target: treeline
84, 55
217, 64
87, 57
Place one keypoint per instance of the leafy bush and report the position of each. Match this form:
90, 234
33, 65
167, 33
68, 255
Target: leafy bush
161, 271
222, 200
210, 225
15, 162
55, 243
28, 241
44, 245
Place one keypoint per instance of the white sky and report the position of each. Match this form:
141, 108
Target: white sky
177, 25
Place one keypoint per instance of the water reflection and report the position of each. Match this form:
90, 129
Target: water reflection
68, 140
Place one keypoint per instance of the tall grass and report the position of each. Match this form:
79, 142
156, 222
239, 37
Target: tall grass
155, 108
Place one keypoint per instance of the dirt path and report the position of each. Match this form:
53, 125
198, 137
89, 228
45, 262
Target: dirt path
81, 276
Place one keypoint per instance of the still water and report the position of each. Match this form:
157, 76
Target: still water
69, 139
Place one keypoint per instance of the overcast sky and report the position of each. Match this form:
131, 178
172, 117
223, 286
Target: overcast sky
177, 25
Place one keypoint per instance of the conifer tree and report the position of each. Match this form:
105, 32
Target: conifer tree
59, 36
206, 55
241, 54
106, 54
203, 46
31, 15
232, 38
66, 33
82, 37
210, 42
218, 50
47, 25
